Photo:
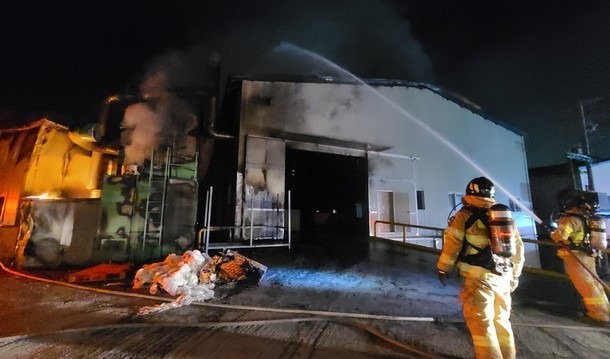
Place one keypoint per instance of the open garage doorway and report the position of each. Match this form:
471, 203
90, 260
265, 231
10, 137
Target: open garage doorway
329, 199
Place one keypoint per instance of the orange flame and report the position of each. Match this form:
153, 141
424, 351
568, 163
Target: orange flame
45, 195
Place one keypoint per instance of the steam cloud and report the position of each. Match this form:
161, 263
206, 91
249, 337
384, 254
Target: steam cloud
144, 127
149, 124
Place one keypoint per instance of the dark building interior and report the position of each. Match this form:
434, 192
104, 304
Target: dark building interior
330, 192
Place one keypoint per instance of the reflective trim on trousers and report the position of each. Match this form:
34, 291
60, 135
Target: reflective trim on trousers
487, 312
484, 341
592, 293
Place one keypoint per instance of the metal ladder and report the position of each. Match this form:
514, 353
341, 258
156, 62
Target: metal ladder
156, 200
152, 234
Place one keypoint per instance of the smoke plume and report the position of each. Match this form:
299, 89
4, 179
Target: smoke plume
158, 120
143, 127
369, 41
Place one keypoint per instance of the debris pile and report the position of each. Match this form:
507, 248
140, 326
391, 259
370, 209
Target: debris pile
230, 266
193, 276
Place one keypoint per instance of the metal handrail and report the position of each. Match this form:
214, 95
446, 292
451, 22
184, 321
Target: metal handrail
208, 228
437, 251
408, 225
541, 242
551, 243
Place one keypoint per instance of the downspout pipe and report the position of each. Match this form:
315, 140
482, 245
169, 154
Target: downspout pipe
215, 74
102, 123
213, 114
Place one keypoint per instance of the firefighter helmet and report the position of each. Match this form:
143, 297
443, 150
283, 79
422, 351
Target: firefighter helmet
480, 187
587, 201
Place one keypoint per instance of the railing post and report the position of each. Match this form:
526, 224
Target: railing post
251, 215
375, 229
205, 219
289, 220
404, 234
207, 232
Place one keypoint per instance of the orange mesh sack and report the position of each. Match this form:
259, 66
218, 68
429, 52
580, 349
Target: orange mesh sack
232, 271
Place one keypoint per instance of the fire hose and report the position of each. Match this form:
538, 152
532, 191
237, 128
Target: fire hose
322, 316
365, 328
285, 310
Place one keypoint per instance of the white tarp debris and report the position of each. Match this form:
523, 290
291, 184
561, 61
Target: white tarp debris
178, 276
192, 276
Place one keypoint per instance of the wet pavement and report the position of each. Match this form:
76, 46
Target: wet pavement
376, 278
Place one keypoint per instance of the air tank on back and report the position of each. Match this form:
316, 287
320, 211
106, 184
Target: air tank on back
502, 231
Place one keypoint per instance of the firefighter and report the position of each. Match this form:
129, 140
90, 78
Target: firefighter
484, 244
578, 229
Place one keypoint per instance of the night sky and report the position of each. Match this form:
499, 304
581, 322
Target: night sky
526, 63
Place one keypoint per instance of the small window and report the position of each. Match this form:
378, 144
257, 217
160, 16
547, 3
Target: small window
421, 201
455, 199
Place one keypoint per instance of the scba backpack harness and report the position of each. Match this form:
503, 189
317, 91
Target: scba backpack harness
501, 233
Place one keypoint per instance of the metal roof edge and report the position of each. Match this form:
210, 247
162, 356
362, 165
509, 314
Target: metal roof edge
448, 95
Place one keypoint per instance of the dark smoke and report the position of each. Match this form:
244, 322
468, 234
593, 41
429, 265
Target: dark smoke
368, 38
369, 41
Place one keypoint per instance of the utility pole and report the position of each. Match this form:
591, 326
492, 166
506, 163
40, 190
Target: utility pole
591, 186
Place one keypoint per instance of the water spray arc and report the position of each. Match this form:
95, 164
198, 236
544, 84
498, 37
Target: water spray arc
316, 58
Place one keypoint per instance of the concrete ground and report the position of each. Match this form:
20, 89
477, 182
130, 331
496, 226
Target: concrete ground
375, 278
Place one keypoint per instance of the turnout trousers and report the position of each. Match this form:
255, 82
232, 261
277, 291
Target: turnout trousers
486, 309
591, 291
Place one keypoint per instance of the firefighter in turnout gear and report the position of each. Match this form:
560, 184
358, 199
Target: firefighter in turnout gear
484, 244
583, 234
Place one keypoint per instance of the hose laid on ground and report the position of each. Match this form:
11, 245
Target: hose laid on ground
326, 314
405, 347
228, 306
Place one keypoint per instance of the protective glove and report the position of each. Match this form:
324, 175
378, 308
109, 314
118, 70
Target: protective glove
514, 283
443, 277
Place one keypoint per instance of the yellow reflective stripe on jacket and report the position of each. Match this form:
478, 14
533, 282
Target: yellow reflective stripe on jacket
454, 232
453, 238
519, 258
478, 239
595, 300
569, 228
477, 235
474, 272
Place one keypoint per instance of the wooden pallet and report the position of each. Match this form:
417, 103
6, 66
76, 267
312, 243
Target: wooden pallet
100, 273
